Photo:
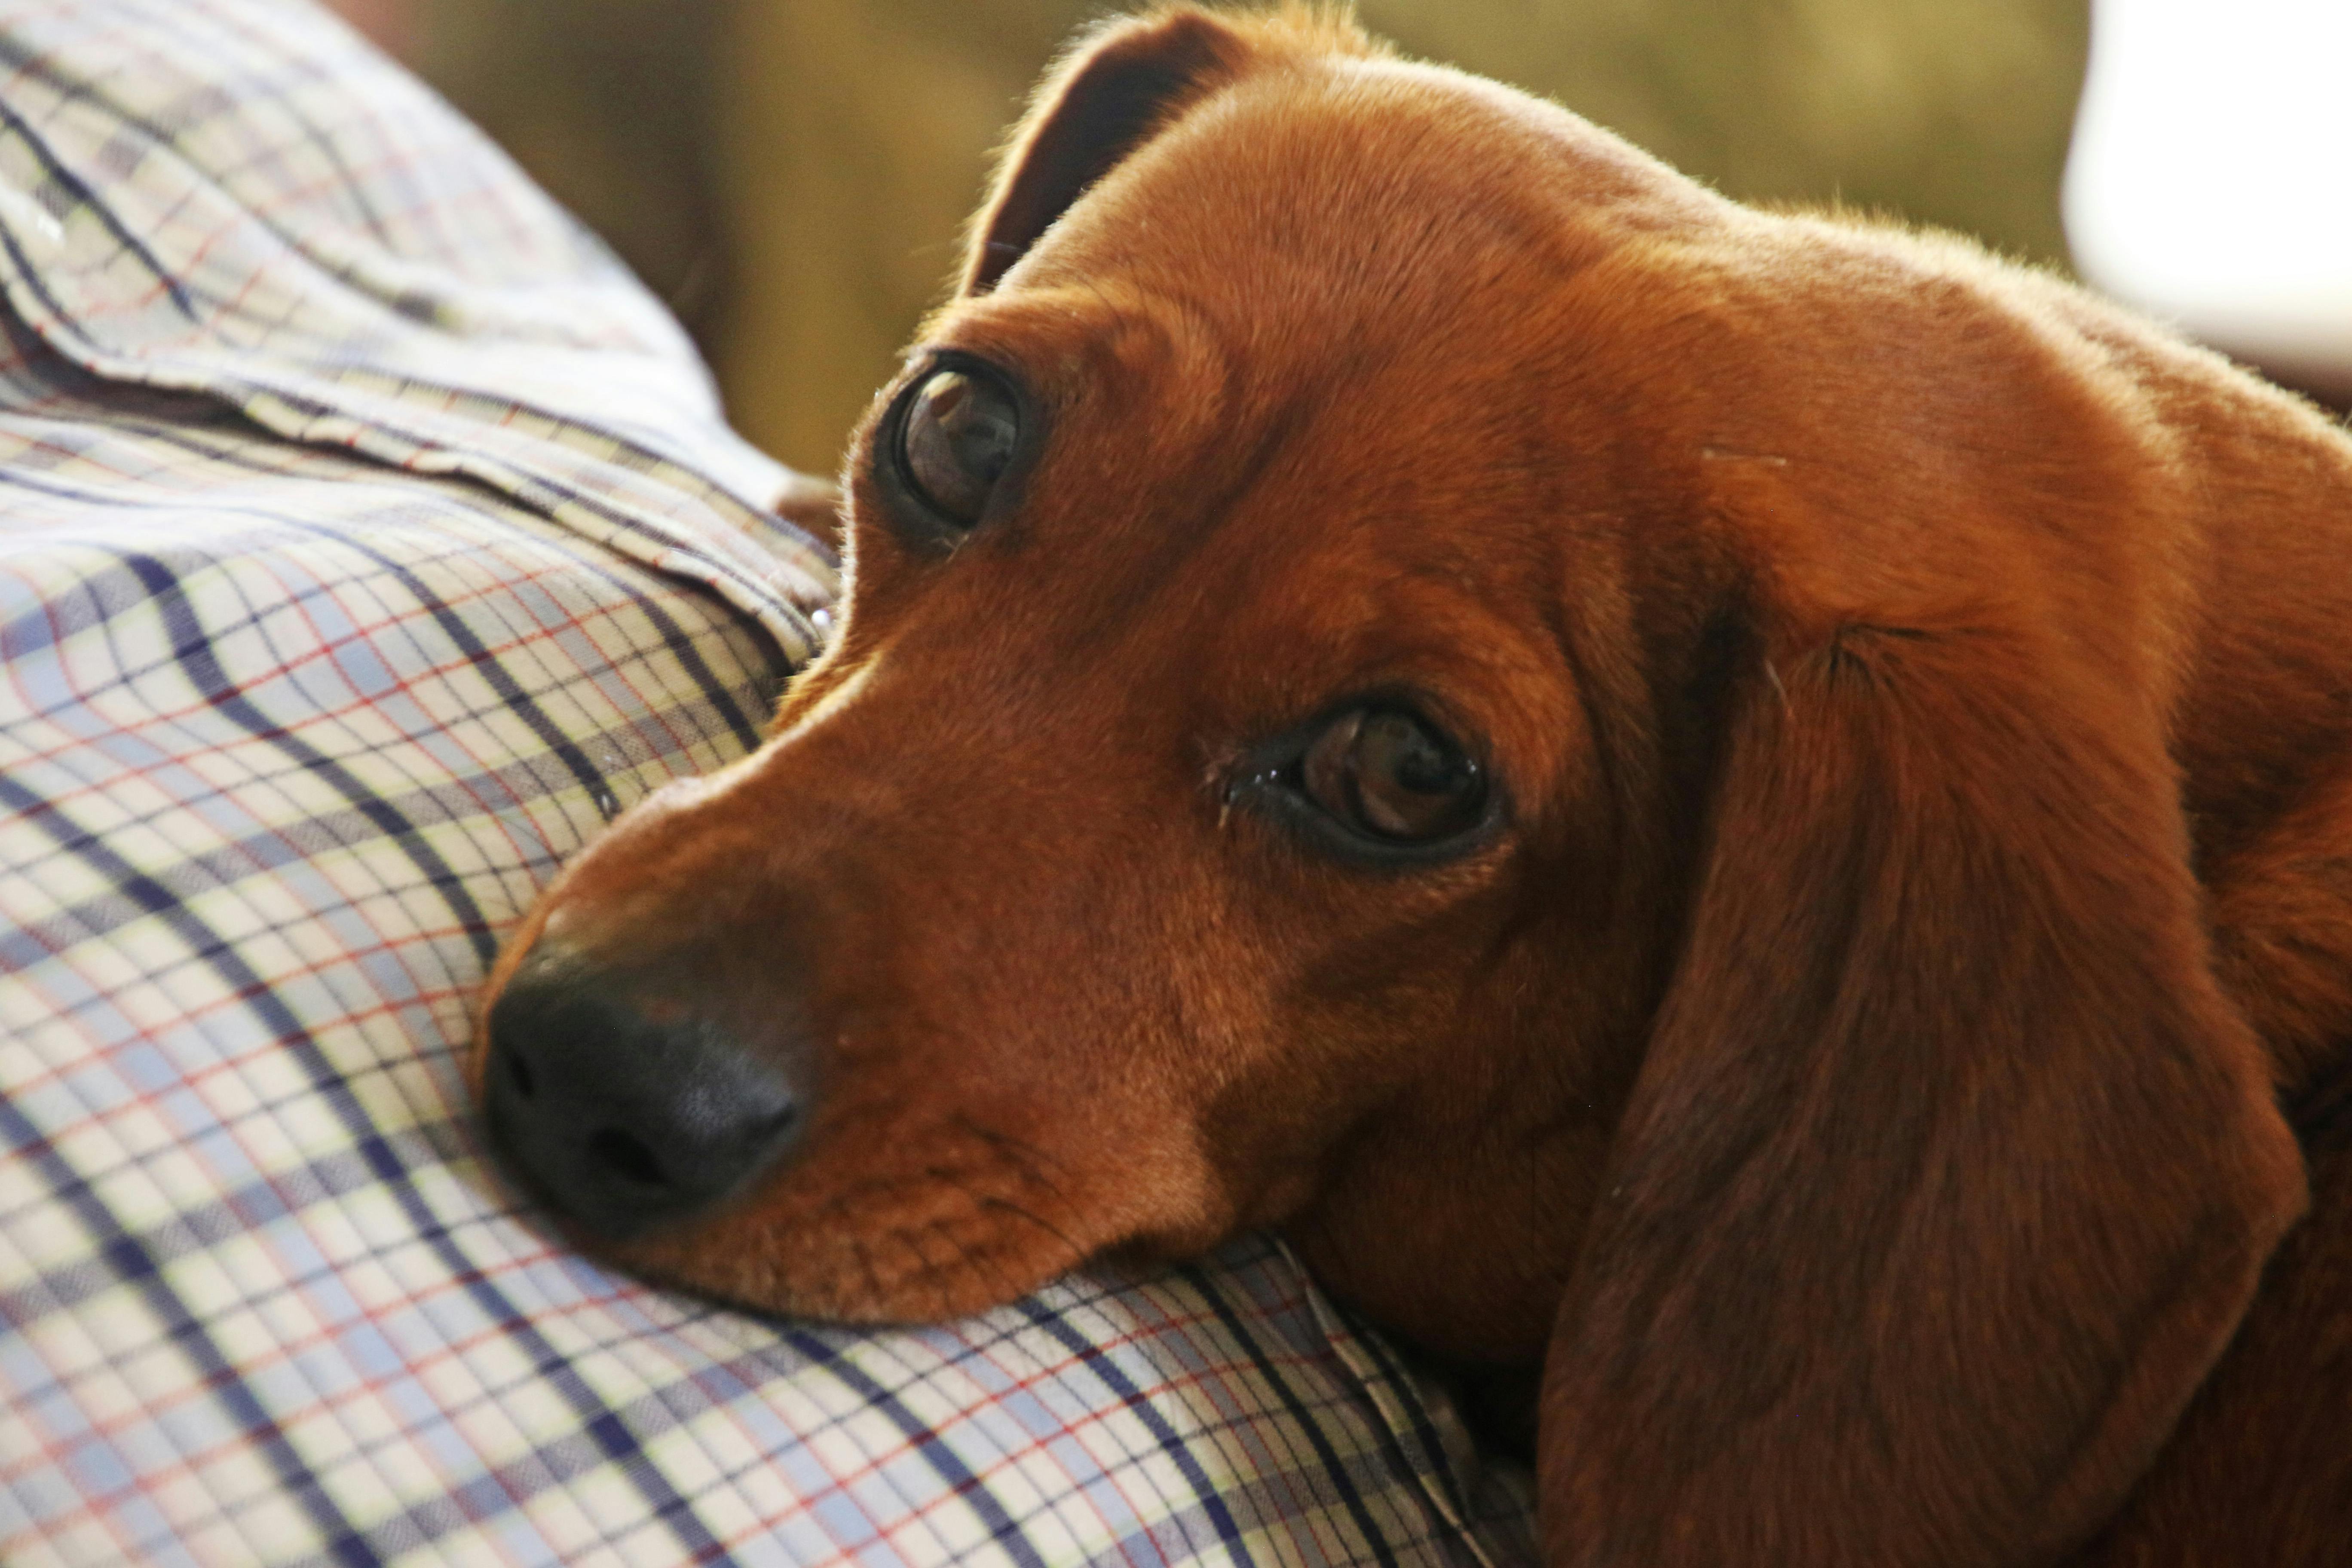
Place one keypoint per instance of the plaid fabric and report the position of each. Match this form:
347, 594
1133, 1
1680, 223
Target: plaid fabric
367, 539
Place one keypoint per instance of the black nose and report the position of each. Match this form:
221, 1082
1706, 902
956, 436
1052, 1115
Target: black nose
627, 1113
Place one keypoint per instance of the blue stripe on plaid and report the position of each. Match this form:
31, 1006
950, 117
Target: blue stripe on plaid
407, 408
1004, 1532
131, 1263
194, 649
612, 1438
1419, 1431
28, 63
745, 729
1095, 1359
1330, 1464
78, 197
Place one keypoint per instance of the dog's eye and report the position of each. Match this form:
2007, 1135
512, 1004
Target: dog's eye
1390, 775
958, 433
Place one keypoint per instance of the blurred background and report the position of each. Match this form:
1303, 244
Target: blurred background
790, 174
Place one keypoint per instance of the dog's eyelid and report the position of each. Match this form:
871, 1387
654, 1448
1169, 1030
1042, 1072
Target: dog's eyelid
1259, 775
934, 359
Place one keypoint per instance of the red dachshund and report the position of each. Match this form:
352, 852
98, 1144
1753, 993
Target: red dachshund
1752, 812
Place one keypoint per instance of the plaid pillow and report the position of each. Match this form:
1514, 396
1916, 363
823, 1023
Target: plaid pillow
366, 540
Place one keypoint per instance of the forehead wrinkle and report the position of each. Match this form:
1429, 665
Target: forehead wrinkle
1152, 369
1348, 615
1162, 385
1182, 533
1272, 507
1098, 326
1603, 756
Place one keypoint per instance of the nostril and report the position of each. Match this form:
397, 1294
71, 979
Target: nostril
625, 1155
626, 1112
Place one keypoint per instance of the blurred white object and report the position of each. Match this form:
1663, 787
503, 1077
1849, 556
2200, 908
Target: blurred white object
2210, 177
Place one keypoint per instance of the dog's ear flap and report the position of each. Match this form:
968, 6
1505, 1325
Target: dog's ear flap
1949, 1169
1114, 90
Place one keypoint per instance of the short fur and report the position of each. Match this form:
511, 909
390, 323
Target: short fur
1864, 1072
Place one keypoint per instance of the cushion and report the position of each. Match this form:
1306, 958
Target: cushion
368, 539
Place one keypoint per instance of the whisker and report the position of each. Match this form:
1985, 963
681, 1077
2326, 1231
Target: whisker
1079, 1255
991, 1201
1002, 1140
1022, 1155
930, 1271
865, 1261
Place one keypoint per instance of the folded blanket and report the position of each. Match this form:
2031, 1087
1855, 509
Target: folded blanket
367, 539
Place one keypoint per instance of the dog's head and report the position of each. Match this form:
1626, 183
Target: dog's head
1414, 676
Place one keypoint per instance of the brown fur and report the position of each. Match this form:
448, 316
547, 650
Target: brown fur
1920, 695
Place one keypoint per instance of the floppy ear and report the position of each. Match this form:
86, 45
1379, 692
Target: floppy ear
1118, 86
1949, 1169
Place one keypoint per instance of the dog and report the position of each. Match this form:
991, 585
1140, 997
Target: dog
1745, 816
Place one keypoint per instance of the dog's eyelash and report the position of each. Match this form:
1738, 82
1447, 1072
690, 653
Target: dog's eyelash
1262, 776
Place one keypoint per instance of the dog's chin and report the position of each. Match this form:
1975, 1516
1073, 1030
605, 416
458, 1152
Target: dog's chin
922, 1275
907, 1251
919, 1247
